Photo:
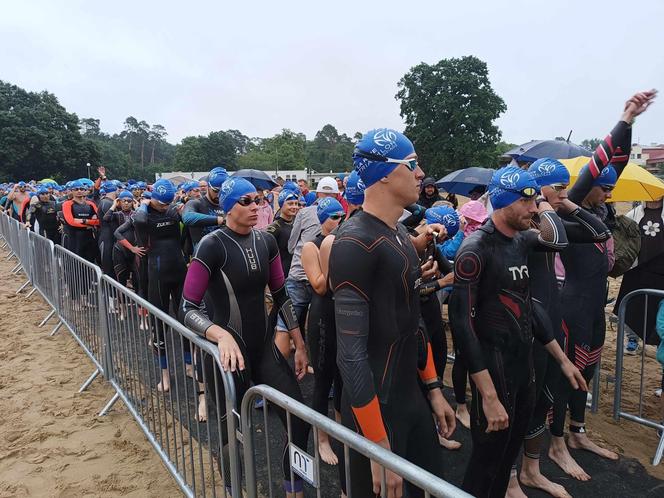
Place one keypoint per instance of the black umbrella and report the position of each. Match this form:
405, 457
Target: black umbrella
555, 149
259, 179
462, 181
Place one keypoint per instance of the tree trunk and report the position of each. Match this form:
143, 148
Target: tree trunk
142, 149
154, 144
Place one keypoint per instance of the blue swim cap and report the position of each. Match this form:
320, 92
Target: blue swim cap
217, 177
163, 191
377, 144
86, 182
76, 184
231, 191
547, 171
125, 194
292, 186
42, 190
146, 195
107, 187
327, 207
287, 195
608, 176
506, 185
354, 192
310, 198
189, 186
446, 216
144, 185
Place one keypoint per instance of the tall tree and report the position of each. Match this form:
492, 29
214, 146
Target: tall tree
89, 127
450, 108
591, 143
39, 138
142, 130
156, 135
130, 130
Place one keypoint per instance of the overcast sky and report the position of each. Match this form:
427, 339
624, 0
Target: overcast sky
261, 66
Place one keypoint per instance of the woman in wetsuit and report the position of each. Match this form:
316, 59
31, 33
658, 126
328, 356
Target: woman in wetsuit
233, 265
321, 331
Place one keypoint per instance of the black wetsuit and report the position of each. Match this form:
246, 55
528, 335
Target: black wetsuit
46, 215
580, 227
491, 313
233, 270
124, 261
200, 217
105, 237
584, 295
81, 237
281, 230
375, 276
165, 263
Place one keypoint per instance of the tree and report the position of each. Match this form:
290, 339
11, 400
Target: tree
156, 136
285, 150
330, 151
89, 127
449, 108
39, 138
591, 143
131, 128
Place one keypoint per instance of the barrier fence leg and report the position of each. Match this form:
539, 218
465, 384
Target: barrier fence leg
17, 268
23, 287
48, 317
31, 292
659, 452
55, 330
89, 381
109, 405
9, 256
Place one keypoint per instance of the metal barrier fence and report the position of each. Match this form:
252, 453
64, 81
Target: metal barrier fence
618, 413
307, 467
202, 457
80, 308
44, 271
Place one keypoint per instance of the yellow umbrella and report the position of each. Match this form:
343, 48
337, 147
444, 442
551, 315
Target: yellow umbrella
635, 183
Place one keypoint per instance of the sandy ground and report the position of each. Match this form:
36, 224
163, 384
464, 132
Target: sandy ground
52, 443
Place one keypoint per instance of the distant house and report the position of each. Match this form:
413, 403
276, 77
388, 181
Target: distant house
651, 157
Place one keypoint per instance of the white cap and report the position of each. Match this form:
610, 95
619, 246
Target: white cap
327, 185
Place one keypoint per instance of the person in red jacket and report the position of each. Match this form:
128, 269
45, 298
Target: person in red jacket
80, 224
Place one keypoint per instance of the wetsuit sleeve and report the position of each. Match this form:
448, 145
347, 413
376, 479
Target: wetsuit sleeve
583, 226
351, 271
120, 232
193, 218
277, 285
468, 268
192, 309
69, 215
107, 215
614, 149
426, 368
552, 235
450, 247
93, 222
542, 327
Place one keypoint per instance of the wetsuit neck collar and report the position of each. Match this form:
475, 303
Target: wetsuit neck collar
250, 232
380, 221
490, 227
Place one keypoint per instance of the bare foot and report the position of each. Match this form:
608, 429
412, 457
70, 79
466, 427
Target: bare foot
463, 416
534, 479
202, 408
448, 444
559, 453
583, 442
325, 450
165, 385
514, 489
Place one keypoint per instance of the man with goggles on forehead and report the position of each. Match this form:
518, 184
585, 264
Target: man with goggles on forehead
580, 226
492, 314
583, 297
232, 267
374, 273
204, 215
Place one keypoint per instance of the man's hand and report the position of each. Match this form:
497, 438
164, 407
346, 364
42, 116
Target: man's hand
301, 360
495, 413
429, 269
638, 104
462, 222
443, 412
145, 202
393, 482
114, 206
220, 220
573, 375
102, 172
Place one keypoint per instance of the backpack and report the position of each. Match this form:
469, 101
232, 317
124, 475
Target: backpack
627, 244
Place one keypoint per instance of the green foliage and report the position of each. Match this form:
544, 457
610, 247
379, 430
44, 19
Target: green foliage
39, 138
591, 143
286, 150
202, 153
449, 108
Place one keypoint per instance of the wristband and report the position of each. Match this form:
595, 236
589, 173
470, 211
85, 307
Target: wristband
436, 384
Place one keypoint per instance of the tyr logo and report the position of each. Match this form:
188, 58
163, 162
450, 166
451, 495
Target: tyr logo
521, 270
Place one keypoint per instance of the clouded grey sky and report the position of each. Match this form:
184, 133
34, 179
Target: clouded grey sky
261, 66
